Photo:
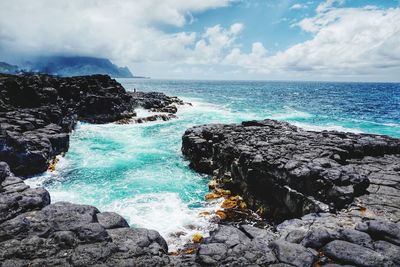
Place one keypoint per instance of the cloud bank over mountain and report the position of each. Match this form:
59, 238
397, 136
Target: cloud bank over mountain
344, 42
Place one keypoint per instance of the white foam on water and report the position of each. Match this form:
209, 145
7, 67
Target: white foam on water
290, 113
391, 124
213, 113
166, 213
40, 180
320, 128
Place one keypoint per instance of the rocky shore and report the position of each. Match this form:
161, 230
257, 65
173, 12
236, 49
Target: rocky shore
333, 197
37, 115
38, 112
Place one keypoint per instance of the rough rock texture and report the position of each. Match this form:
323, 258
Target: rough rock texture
285, 172
155, 101
313, 240
34, 232
37, 113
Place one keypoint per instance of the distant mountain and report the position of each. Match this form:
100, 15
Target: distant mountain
8, 68
76, 66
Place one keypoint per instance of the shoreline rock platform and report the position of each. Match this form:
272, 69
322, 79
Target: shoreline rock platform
332, 198
37, 116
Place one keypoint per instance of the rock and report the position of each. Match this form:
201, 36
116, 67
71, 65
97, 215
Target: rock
211, 253
316, 238
293, 254
110, 220
197, 238
34, 232
348, 253
155, 101
39, 111
283, 172
357, 237
388, 250
230, 246
382, 230
157, 117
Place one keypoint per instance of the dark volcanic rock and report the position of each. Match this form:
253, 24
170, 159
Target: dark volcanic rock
230, 246
293, 254
348, 253
34, 232
37, 113
283, 171
155, 101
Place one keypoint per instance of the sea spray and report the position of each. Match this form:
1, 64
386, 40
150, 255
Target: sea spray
138, 170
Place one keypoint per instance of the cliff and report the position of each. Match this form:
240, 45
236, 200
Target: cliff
77, 66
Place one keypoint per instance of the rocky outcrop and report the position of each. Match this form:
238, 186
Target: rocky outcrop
156, 102
283, 172
37, 113
34, 232
313, 240
340, 189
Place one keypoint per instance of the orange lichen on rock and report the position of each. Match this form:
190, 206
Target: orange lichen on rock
222, 192
174, 253
217, 193
211, 196
189, 251
234, 202
204, 213
197, 238
221, 214
52, 164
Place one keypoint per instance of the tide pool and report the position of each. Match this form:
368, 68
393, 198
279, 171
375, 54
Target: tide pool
138, 171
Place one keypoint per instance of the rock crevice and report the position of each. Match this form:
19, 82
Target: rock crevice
285, 172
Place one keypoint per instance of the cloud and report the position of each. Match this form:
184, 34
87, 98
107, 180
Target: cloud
346, 41
298, 6
328, 4
254, 61
356, 42
125, 31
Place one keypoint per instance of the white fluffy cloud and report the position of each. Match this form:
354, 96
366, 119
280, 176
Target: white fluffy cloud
125, 31
297, 6
356, 42
324, 6
346, 42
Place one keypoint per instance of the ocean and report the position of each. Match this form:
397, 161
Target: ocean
138, 171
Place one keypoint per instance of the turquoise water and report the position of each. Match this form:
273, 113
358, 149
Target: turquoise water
138, 171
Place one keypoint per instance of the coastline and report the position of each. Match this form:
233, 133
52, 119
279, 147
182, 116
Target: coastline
224, 246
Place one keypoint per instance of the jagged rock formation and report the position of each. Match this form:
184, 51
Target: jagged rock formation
37, 113
34, 232
307, 172
285, 172
156, 101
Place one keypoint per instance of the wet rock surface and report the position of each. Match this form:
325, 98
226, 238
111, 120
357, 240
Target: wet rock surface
285, 172
156, 101
37, 113
280, 170
34, 232
341, 191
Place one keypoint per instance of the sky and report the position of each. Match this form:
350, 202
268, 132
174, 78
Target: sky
330, 40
